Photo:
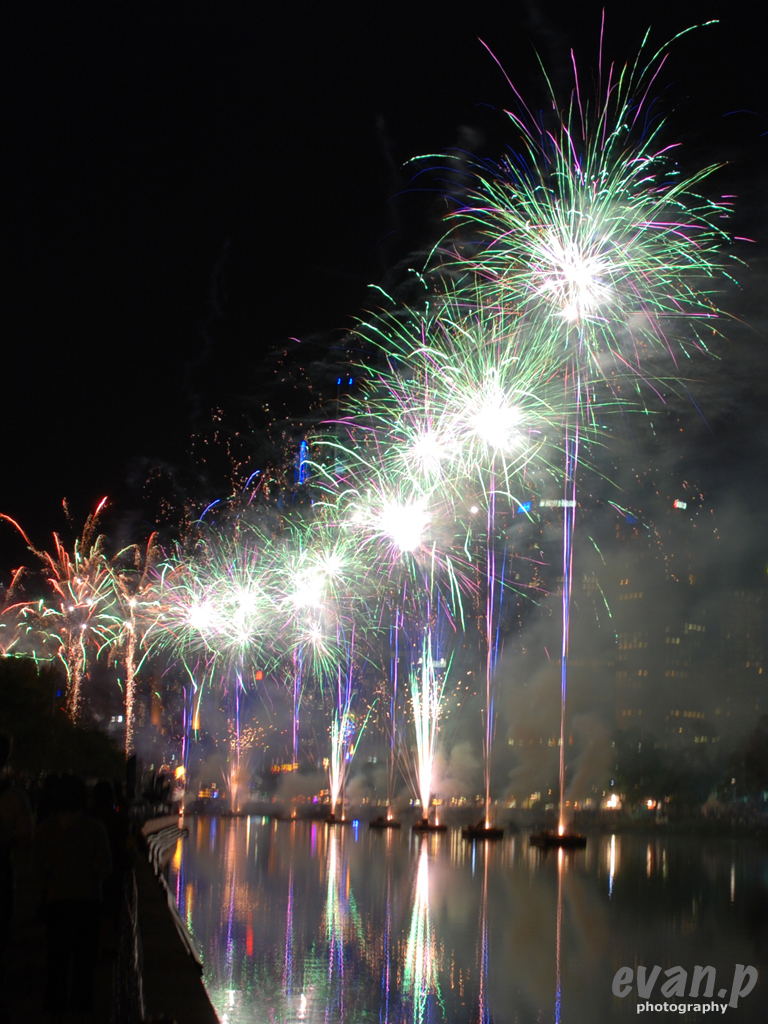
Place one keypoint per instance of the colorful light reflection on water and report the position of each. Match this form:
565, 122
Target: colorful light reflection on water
299, 922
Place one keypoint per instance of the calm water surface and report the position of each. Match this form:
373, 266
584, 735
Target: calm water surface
305, 923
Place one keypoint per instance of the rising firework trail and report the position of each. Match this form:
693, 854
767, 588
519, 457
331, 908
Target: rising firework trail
132, 582
394, 672
427, 684
346, 728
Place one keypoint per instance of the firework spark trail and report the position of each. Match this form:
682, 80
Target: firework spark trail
418, 572
186, 725
569, 525
427, 687
337, 761
234, 729
417, 610
242, 738
506, 412
12, 612
199, 673
345, 730
394, 644
490, 606
298, 689
131, 584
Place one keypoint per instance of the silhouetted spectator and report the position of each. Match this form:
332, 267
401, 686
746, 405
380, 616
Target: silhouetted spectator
121, 803
71, 859
15, 834
46, 798
116, 824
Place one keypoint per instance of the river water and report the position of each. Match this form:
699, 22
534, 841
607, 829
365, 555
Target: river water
301, 922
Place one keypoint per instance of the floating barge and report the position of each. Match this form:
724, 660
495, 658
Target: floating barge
550, 840
482, 831
424, 826
384, 823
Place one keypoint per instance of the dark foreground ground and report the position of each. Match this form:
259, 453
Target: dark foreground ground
144, 974
26, 968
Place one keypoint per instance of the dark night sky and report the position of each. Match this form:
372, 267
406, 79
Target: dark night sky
152, 148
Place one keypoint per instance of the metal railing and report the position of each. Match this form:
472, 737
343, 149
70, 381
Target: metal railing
158, 844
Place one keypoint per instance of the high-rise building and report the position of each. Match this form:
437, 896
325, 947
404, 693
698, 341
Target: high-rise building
743, 631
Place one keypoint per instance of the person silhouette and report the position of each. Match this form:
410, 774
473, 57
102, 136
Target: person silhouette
116, 823
71, 859
15, 833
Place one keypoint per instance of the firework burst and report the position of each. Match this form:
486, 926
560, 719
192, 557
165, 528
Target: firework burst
593, 239
75, 624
